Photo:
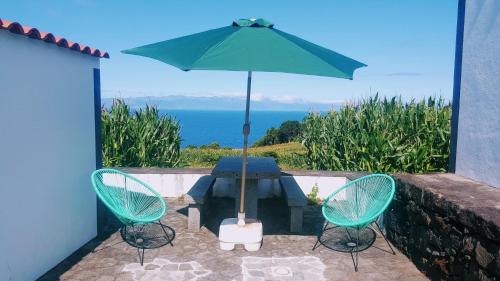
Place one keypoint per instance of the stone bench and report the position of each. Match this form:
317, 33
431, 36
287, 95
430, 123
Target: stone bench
196, 197
296, 200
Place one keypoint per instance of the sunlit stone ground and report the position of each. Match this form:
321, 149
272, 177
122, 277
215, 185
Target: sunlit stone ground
196, 256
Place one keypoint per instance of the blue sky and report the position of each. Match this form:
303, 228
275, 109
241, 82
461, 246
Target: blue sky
408, 45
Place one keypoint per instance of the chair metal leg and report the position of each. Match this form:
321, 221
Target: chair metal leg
319, 237
164, 231
141, 257
355, 256
357, 250
385, 238
348, 234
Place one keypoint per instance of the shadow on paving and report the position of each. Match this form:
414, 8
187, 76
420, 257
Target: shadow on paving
273, 212
112, 226
152, 236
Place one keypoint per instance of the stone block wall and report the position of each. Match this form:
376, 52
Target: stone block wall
449, 226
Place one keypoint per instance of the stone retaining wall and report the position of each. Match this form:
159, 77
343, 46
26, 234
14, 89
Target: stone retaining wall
447, 225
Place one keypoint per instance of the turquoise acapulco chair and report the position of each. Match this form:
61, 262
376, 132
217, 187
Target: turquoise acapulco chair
357, 205
132, 201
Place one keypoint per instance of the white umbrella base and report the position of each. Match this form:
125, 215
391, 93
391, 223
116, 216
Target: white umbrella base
249, 235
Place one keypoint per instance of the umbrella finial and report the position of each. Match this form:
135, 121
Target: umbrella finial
253, 22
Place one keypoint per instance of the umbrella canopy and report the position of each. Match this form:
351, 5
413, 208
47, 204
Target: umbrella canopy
249, 45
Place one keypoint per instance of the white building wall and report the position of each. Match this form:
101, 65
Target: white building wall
478, 134
47, 153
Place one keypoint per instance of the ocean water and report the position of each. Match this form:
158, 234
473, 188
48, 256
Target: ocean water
226, 127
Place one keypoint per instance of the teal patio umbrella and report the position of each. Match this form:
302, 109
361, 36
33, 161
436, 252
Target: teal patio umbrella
249, 45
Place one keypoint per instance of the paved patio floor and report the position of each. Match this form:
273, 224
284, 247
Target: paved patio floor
196, 256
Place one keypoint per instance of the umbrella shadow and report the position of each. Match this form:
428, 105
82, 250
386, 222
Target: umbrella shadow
272, 212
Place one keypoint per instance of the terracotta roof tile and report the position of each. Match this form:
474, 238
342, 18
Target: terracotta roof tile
34, 33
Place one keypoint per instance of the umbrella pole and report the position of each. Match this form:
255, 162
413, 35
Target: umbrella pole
246, 132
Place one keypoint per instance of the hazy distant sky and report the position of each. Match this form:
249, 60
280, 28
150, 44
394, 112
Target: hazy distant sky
408, 45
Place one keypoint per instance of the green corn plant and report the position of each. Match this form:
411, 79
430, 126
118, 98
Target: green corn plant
380, 135
141, 138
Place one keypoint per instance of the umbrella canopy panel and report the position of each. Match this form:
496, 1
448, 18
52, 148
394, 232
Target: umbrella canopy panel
249, 45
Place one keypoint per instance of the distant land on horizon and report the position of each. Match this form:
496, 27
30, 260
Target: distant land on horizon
224, 103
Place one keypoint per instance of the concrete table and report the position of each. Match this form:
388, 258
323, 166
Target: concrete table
257, 168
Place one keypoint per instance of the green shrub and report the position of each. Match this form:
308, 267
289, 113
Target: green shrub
213, 145
380, 136
312, 197
139, 139
272, 154
287, 132
288, 156
204, 157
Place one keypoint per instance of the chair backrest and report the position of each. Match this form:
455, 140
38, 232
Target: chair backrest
362, 200
130, 199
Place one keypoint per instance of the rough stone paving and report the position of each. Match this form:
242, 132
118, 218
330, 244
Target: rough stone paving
196, 256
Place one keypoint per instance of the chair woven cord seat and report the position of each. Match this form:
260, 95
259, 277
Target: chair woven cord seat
360, 202
129, 199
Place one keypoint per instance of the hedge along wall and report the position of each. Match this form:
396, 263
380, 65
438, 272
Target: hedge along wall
380, 135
